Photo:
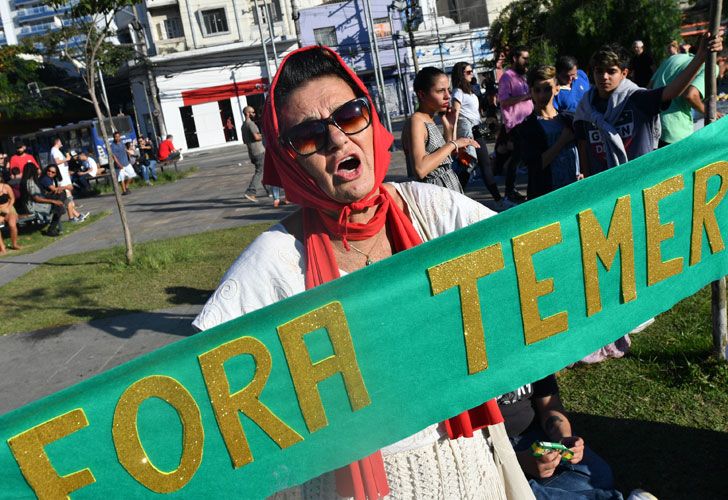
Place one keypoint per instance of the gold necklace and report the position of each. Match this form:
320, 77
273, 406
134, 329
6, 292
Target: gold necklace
369, 260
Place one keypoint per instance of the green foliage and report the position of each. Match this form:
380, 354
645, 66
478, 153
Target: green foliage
579, 27
165, 273
17, 69
521, 23
94, 7
668, 389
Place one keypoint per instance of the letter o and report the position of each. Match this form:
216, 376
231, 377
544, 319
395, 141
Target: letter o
129, 448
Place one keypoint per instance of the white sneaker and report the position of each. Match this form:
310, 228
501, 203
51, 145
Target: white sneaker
641, 495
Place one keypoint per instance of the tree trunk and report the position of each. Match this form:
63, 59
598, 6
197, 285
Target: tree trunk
114, 183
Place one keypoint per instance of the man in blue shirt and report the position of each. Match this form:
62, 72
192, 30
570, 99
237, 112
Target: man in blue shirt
573, 84
120, 160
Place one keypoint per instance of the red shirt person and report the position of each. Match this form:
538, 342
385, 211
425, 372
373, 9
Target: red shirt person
167, 151
21, 158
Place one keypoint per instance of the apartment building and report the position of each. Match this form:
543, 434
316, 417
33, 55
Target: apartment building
208, 59
24, 18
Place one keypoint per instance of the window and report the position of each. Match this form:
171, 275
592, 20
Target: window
325, 36
173, 27
214, 21
382, 28
261, 15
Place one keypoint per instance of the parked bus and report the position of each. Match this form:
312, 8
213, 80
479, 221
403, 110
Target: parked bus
81, 136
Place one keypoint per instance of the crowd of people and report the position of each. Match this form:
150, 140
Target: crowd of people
31, 192
331, 158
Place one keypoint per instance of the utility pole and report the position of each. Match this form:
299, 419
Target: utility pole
402, 78
717, 288
103, 89
414, 51
296, 15
377, 65
262, 41
151, 118
437, 32
272, 33
141, 42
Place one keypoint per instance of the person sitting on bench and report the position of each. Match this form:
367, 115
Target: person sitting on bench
8, 216
167, 151
32, 201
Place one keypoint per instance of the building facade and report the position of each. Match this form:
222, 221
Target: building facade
438, 41
24, 18
343, 26
209, 59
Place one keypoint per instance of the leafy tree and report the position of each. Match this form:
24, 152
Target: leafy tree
522, 23
17, 69
579, 27
86, 43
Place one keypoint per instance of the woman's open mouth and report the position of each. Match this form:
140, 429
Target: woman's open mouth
348, 169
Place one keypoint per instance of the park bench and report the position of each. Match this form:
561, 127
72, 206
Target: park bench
166, 163
105, 178
28, 220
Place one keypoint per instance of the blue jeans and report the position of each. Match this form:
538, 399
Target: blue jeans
149, 169
277, 192
590, 479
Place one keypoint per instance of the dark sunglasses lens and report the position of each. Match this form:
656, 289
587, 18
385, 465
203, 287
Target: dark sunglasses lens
307, 138
353, 117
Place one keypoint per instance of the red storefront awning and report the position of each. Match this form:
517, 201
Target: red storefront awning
220, 92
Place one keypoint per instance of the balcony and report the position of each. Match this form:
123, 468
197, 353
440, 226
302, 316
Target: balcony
21, 3
38, 13
171, 46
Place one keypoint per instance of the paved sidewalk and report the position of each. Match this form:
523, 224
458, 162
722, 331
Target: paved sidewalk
211, 198
36, 364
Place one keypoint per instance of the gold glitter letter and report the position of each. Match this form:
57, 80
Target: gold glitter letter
306, 374
657, 270
464, 273
704, 212
594, 244
245, 400
530, 289
28, 450
129, 448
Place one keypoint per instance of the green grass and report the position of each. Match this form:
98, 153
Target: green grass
165, 177
659, 416
31, 239
87, 286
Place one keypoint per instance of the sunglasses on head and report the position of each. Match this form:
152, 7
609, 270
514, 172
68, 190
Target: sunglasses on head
312, 136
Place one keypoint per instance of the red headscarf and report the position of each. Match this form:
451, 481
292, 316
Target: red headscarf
366, 477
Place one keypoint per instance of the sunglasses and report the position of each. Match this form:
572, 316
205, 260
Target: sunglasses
312, 136
51, 171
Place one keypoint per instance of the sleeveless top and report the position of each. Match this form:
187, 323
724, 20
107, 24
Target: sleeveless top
443, 175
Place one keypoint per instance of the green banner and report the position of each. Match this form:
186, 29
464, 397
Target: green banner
316, 381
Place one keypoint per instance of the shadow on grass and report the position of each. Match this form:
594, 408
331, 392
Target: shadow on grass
669, 461
187, 295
